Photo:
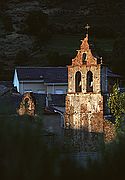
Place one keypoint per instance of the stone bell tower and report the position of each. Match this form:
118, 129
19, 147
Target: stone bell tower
84, 101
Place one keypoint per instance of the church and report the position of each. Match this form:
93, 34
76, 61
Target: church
86, 83
88, 89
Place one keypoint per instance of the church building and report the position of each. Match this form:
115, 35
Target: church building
87, 85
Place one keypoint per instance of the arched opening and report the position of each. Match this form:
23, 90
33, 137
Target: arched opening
26, 103
78, 86
89, 81
84, 58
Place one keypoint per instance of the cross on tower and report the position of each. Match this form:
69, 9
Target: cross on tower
87, 28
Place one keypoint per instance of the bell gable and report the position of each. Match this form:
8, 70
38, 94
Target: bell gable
84, 55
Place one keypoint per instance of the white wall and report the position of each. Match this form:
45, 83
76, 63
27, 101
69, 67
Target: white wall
34, 87
42, 88
16, 81
57, 89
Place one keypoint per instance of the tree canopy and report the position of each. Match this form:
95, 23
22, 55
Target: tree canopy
117, 106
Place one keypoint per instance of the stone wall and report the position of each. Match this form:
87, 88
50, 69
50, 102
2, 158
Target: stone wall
27, 105
85, 106
84, 111
109, 131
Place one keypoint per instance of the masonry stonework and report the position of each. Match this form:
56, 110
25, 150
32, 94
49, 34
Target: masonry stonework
84, 100
27, 105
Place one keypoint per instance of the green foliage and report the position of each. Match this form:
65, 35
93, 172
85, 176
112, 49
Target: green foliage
37, 21
37, 25
3, 4
7, 22
2, 66
56, 59
117, 105
22, 57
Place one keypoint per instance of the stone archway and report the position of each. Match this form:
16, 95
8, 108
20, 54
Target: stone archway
89, 87
78, 87
27, 105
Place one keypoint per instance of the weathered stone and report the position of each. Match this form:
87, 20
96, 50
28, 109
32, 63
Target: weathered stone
84, 101
109, 131
27, 105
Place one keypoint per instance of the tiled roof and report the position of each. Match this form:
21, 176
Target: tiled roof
47, 74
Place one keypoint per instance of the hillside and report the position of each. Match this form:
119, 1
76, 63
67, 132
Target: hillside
47, 32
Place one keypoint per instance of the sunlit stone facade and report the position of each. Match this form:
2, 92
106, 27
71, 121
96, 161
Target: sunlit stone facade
87, 82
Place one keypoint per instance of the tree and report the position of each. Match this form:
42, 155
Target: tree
3, 4
37, 23
22, 57
116, 104
7, 22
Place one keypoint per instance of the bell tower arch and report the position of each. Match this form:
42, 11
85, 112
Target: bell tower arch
78, 86
89, 87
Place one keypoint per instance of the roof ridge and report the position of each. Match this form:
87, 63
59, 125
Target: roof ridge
39, 67
49, 74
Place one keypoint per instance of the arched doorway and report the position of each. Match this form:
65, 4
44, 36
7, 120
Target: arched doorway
89, 82
78, 85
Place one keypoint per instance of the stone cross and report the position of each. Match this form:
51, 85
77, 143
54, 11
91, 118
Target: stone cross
87, 28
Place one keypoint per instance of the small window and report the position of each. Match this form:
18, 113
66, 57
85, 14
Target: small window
84, 57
